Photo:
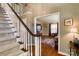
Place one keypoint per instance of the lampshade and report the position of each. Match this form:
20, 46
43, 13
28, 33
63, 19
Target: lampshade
74, 30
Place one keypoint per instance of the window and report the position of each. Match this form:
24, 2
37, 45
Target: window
53, 28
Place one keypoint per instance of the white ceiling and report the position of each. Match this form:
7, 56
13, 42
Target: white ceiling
51, 4
53, 18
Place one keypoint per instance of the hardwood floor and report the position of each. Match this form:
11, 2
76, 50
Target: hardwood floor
47, 50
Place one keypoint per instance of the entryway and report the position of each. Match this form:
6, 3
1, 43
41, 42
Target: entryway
48, 26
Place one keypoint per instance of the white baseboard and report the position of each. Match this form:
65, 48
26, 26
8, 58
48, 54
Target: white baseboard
24, 54
64, 53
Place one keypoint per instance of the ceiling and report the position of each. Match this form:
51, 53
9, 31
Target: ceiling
52, 18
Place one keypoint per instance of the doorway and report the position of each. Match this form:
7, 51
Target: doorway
48, 27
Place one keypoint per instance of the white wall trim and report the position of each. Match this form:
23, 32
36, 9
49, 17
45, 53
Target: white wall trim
59, 34
64, 53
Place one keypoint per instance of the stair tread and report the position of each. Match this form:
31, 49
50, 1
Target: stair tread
2, 30
7, 38
4, 19
5, 23
6, 35
6, 32
6, 26
16, 53
7, 42
8, 46
25, 54
7, 52
1, 8
3, 13
5, 29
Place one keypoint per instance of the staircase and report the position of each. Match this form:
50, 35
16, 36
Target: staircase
8, 44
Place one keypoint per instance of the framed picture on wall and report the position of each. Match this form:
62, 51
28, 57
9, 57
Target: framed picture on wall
68, 22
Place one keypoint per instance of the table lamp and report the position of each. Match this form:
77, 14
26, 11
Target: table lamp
74, 31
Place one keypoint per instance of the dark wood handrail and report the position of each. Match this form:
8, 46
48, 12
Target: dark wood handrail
35, 35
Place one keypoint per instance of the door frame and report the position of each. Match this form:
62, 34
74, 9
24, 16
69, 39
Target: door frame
35, 20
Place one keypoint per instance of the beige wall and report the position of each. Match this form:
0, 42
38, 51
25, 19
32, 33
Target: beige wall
66, 11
